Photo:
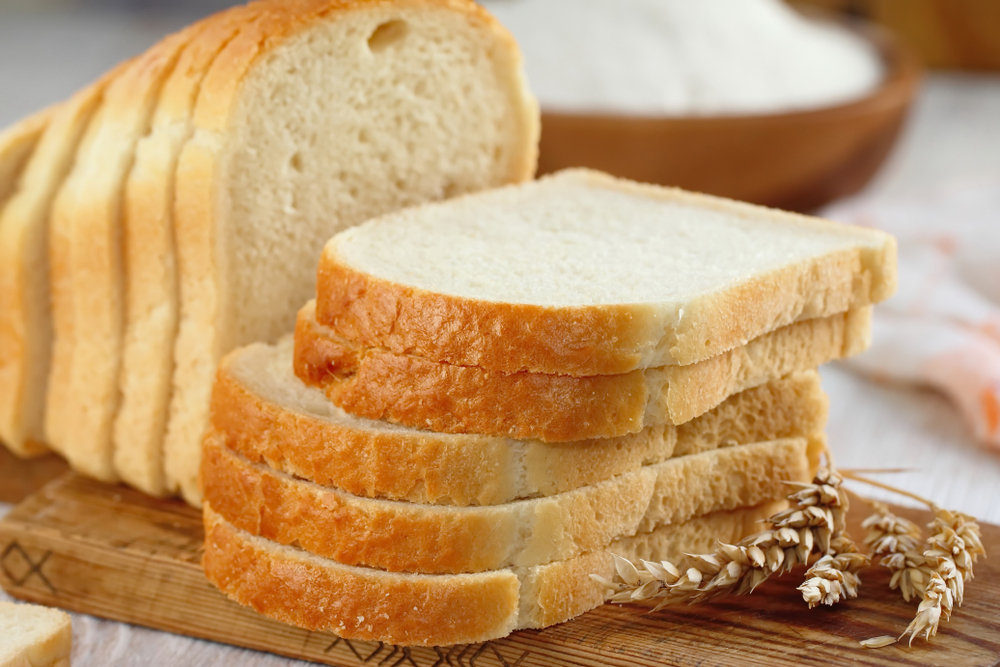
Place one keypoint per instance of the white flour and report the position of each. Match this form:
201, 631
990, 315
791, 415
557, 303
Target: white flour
685, 57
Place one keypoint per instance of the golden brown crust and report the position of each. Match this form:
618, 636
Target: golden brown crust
150, 259
605, 339
88, 210
436, 610
17, 144
407, 537
357, 603
426, 467
407, 389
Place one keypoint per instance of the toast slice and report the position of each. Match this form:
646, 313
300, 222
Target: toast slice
17, 143
25, 288
410, 390
150, 263
582, 274
317, 593
266, 414
34, 636
408, 537
87, 262
318, 116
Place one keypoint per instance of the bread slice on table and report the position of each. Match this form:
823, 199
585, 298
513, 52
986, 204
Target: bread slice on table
417, 392
266, 414
150, 263
25, 288
316, 593
34, 636
409, 537
17, 143
583, 274
88, 312
318, 116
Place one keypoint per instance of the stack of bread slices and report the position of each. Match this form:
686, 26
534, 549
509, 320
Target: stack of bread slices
490, 396
175, 209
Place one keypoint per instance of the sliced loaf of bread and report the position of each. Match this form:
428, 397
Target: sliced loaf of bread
265, 413
409, 537
150, 262
17, 144
25, 289
89, 311
317, 116
421, 393
583, 274
316, 593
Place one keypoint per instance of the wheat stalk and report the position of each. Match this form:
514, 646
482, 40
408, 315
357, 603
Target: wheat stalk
937, 572
834, 577
815, 522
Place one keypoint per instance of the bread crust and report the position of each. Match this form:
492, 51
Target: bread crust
434, 610
150, 260
88, 209
407, 389
17, 144
367, 460
205, 332
408, 537
602, 339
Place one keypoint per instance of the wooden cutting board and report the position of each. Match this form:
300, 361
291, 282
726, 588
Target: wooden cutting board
115, 553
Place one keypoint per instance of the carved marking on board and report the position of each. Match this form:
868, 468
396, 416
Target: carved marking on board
446, 657
15, 553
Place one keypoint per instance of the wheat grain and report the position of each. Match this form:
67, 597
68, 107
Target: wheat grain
814, 522
834, 577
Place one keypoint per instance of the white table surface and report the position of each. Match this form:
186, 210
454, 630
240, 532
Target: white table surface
954, 135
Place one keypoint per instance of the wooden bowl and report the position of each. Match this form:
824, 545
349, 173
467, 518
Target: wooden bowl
796, 161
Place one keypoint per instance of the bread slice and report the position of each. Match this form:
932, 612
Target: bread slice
150, 264
269, 416
411, 390
409, 537
17, 143
87, 217
583, 274
316, 117
34, 636
25, 301
317, 593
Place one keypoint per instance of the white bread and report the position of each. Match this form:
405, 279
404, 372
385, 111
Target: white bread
150, 265
269, 416
17, 143
319, 115
316, 593
34, 636
421, 393
579, 273
25, 301
88, 313
409, 537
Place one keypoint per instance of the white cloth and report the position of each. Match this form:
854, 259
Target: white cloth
942, 328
